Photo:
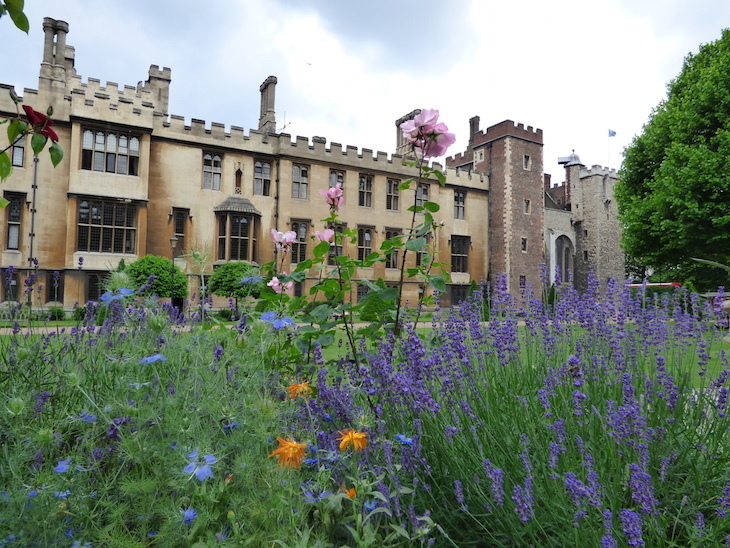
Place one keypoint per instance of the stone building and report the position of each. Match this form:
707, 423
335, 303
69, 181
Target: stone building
134, 176
582, 228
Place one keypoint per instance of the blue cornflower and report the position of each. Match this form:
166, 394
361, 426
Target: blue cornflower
252, 279
32, 493
188, 515
63, 466
200, 467
370, 505
117, 295
153, 359
62, 494
87, 417
404, 439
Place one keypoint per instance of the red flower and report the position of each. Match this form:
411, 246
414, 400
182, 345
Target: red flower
41, 123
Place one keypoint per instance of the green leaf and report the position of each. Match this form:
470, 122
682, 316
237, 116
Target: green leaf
15, 10
405, 185
433, 207
438, 282
15, 129
37, 142
321, 249
20, 20
416, 244
3, 203
441, 176
56, 153
398, 529
6, 166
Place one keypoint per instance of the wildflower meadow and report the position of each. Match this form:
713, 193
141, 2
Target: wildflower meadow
546, 418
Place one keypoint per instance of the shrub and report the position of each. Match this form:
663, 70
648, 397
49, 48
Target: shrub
163, 271
56, 314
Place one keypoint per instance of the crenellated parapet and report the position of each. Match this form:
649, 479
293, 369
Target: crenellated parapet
598, 170
508, 128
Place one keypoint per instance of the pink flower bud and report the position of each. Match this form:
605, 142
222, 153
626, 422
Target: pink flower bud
326, 236
333, 196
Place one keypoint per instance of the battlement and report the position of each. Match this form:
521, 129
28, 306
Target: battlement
460, 158
507, 128
298, 148
598, 170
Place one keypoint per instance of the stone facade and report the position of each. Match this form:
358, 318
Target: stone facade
583, 230
134, 176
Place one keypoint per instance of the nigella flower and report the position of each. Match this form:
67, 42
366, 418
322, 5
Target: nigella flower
370, 505
117, 295
87, 417
404, 439
279, 322
62, 494
309, 495
255, 279
188, 515
63, 466
200, 467
153, 359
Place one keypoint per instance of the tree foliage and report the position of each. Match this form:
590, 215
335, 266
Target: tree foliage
674, 186
162, 268
226, 280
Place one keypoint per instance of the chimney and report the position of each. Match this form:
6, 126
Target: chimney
56, 62
267, 118
473, 128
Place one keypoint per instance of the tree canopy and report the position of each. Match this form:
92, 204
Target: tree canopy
238, 280
674, 187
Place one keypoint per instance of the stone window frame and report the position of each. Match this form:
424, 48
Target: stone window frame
212, 170
460, 253
103, 151
105, 221
392, 194
300, 182
262, 178
365, 190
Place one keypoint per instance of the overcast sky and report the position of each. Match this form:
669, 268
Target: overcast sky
347, 70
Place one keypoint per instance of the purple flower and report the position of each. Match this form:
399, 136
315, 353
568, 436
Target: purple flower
459, 494
188, 515
631, 525
63, 466
200, 467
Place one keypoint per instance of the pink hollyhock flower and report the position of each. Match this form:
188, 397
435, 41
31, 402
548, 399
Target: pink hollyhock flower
283, 240
333, 196
427, 135
326, 236
280, 287
41, 123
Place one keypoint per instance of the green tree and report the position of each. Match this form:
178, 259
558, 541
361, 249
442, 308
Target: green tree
226, 280
674, 188
162, 269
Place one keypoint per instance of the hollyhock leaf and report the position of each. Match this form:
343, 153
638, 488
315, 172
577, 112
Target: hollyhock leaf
416, 244
18, 17
37, 142
56, 153
15, 129
6, 168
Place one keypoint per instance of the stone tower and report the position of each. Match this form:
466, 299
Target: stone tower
511, 156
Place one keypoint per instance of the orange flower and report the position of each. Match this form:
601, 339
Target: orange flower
300, 389
289, 453
357, 439
350, 493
